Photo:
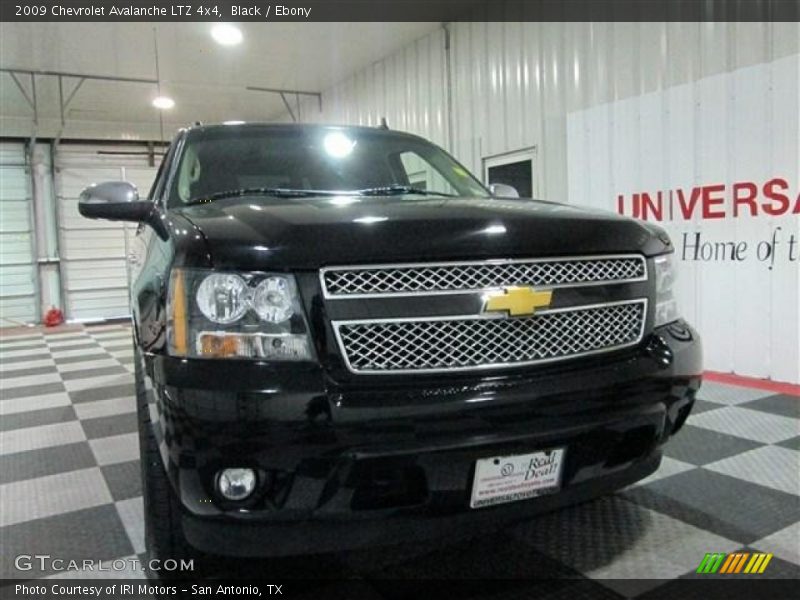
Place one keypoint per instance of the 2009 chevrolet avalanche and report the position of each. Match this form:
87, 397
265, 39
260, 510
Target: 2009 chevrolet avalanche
342, 338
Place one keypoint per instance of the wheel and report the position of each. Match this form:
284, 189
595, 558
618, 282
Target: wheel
164, 537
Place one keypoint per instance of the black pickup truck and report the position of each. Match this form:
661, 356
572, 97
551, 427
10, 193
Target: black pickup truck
343, 339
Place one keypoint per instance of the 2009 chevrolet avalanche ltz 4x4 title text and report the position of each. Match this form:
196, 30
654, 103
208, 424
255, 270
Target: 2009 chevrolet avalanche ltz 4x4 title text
342, 338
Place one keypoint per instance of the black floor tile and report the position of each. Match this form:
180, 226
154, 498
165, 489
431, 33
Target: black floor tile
779, 404
727, 506
93, 533
791, 443
31, 346
35, 418
102, 393
701, 406
119, 347
99, 372
71, 360
123, 479
45, 461
32, 390
112, 425
700, 446
26, 372
89, 345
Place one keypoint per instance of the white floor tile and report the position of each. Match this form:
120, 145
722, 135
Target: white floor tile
52, 495
771, 466
11, 343
784, 544
131, 512
45, 436
749, 424
729, 394
17, 382
91, 364
76, 385
28, 364
21, 405
32, 352
115, 449
105, 408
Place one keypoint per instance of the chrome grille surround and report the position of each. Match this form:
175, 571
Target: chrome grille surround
375, 281
466, 342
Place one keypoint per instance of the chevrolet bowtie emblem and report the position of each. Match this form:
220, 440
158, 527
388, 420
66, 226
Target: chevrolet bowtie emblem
518, 301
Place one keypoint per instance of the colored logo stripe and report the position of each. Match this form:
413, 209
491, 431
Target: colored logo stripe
711, 562
734, 563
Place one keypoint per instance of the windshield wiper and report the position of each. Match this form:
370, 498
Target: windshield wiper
267, 191
386, 190
397, 189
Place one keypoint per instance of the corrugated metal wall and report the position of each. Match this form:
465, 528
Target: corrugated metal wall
17, 264
94, 252
515, 85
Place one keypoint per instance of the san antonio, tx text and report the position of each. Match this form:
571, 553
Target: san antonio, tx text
144, 589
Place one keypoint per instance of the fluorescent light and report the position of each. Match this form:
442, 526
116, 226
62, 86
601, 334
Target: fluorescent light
338, 145
226, 34
163, 102
233, 122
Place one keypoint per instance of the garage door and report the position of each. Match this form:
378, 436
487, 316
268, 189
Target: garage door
18, 279
93, 253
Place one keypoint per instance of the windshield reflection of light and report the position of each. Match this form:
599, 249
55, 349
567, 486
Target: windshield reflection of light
370, 220
494, 230
338, 145
344, 200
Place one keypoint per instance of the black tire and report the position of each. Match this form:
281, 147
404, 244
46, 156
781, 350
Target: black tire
163, 531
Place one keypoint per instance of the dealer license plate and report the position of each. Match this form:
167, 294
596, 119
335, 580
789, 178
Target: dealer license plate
502, 479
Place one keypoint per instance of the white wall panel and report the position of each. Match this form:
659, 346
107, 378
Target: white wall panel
94, 252
17, 265
723, 129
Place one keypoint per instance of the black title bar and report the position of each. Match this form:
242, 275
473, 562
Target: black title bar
399, 10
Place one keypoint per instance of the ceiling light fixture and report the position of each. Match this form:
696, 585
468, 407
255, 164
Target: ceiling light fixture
226, 34
163, 102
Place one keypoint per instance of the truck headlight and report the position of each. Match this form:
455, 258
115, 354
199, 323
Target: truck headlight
666, 305
236, 315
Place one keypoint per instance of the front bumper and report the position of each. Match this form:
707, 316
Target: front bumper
345, 467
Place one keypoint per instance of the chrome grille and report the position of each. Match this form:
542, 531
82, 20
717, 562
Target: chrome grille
464, 343
431, 278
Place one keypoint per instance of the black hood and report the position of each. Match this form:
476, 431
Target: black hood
258, 233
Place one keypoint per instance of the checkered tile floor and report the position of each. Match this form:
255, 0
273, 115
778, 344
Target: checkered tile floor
69, 485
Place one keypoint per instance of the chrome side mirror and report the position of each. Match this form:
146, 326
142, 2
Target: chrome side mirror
119, 201
501, 190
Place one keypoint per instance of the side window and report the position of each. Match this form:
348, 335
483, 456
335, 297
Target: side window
423, 175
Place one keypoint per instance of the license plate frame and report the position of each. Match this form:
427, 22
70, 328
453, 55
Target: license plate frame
516, 477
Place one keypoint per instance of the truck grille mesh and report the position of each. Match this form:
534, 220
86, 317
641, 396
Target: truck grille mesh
458, 277
469, 343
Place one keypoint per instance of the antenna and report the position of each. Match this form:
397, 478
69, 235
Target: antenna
384, 124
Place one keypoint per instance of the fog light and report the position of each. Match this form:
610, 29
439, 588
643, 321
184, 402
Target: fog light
236, 484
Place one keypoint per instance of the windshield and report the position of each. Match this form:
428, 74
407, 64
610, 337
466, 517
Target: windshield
296, 161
